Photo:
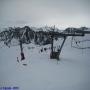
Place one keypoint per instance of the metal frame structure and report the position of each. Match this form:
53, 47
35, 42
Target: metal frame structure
64, 35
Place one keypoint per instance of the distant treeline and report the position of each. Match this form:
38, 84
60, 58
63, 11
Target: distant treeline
28, 35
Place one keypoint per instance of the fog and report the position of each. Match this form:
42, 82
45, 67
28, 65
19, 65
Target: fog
62, 13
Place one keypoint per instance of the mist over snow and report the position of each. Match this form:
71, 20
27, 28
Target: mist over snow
72, 72
27, 25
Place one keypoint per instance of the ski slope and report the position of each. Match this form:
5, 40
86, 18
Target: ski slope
72, 72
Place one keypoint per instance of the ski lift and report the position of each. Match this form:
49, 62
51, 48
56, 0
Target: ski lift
55, 54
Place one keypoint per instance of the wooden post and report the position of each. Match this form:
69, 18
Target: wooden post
52, 41
22, 54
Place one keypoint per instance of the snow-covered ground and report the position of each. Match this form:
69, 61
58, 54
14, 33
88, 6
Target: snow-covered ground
72, 72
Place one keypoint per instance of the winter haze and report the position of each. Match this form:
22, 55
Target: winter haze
62, 13
38, 71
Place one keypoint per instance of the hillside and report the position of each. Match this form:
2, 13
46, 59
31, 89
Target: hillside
72, 72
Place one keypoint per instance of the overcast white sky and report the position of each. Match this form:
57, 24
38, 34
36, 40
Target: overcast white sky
62, 13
